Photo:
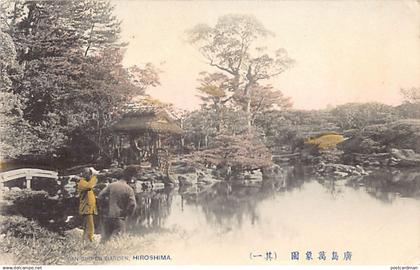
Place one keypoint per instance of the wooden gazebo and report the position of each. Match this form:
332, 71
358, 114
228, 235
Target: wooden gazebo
141, 130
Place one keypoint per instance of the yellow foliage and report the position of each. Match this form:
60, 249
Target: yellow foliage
212, 90
326, 141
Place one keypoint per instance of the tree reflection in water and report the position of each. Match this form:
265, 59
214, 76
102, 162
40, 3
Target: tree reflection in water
153, 207
229, 204
386, 185
332, 187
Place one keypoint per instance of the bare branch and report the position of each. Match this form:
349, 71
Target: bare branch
222, 68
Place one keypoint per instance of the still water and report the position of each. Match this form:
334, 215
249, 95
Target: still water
375, 218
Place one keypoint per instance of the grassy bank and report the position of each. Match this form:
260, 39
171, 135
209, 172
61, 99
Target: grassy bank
24, 242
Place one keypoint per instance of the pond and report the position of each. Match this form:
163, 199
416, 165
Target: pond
375, 220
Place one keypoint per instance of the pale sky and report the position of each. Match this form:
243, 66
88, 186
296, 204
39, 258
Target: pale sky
345, 51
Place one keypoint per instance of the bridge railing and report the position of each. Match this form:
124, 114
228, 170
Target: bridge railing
28, 174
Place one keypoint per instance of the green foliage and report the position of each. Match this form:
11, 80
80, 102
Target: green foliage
15, 138
202, 126
50, 39
72, 73
15, 135
263, 99
22, 227
199, 126
231, 47
25, 241
234, 121
360, 115
409, 110
411, 95
241, 152
7, 61
285, 131
50, 212
401, 134
68, 249
213, 86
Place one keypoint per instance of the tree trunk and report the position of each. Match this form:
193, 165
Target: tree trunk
248, 113
182, 142
219, 117
135, 148
248, 96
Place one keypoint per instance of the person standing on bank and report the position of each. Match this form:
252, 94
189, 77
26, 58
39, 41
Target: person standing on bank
87, 205
120, 202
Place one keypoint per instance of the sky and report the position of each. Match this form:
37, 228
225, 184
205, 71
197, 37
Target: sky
345, 51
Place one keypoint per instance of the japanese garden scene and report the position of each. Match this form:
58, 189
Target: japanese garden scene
243, 132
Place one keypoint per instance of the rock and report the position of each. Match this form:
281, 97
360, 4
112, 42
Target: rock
255, 175
183, 169
370, 146
3, 188
206, 176
186, 172
187, 179
374, 163
360, 170
361, 144
329, 169
274, 171
341, 174
404, 157
157, 186
340, 170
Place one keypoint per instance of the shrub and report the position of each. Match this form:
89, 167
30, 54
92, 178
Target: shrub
18, 226
240, 152
50, 212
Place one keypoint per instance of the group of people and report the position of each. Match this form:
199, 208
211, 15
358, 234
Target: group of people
117, 203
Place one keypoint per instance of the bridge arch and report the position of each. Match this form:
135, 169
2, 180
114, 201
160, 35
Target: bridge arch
28, 174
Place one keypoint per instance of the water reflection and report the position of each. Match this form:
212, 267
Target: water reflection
332, 186
230, 206
153, 207
389, 184
227, 205
294, 212
224, 204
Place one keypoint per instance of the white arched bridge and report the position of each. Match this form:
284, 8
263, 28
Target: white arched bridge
28, 174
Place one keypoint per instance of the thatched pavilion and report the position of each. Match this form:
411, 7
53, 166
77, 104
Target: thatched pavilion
142, 131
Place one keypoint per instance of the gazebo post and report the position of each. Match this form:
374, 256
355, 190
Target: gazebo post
120, 156
159, 142
153, 155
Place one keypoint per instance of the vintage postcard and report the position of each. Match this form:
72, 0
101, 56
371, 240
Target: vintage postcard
210, 133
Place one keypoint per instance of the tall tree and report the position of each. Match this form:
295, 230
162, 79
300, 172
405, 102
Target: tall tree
264, 99
15, 138
100, 27
71, 61
411, 95
410, 108
49, 50
214, 92
361, 115
199, 125
232, 47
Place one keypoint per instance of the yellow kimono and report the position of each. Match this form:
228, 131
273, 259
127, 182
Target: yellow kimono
87, 206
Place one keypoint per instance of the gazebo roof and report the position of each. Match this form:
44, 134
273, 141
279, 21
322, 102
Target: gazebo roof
141, 121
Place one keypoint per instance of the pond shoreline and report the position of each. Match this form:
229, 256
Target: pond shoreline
223, 206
